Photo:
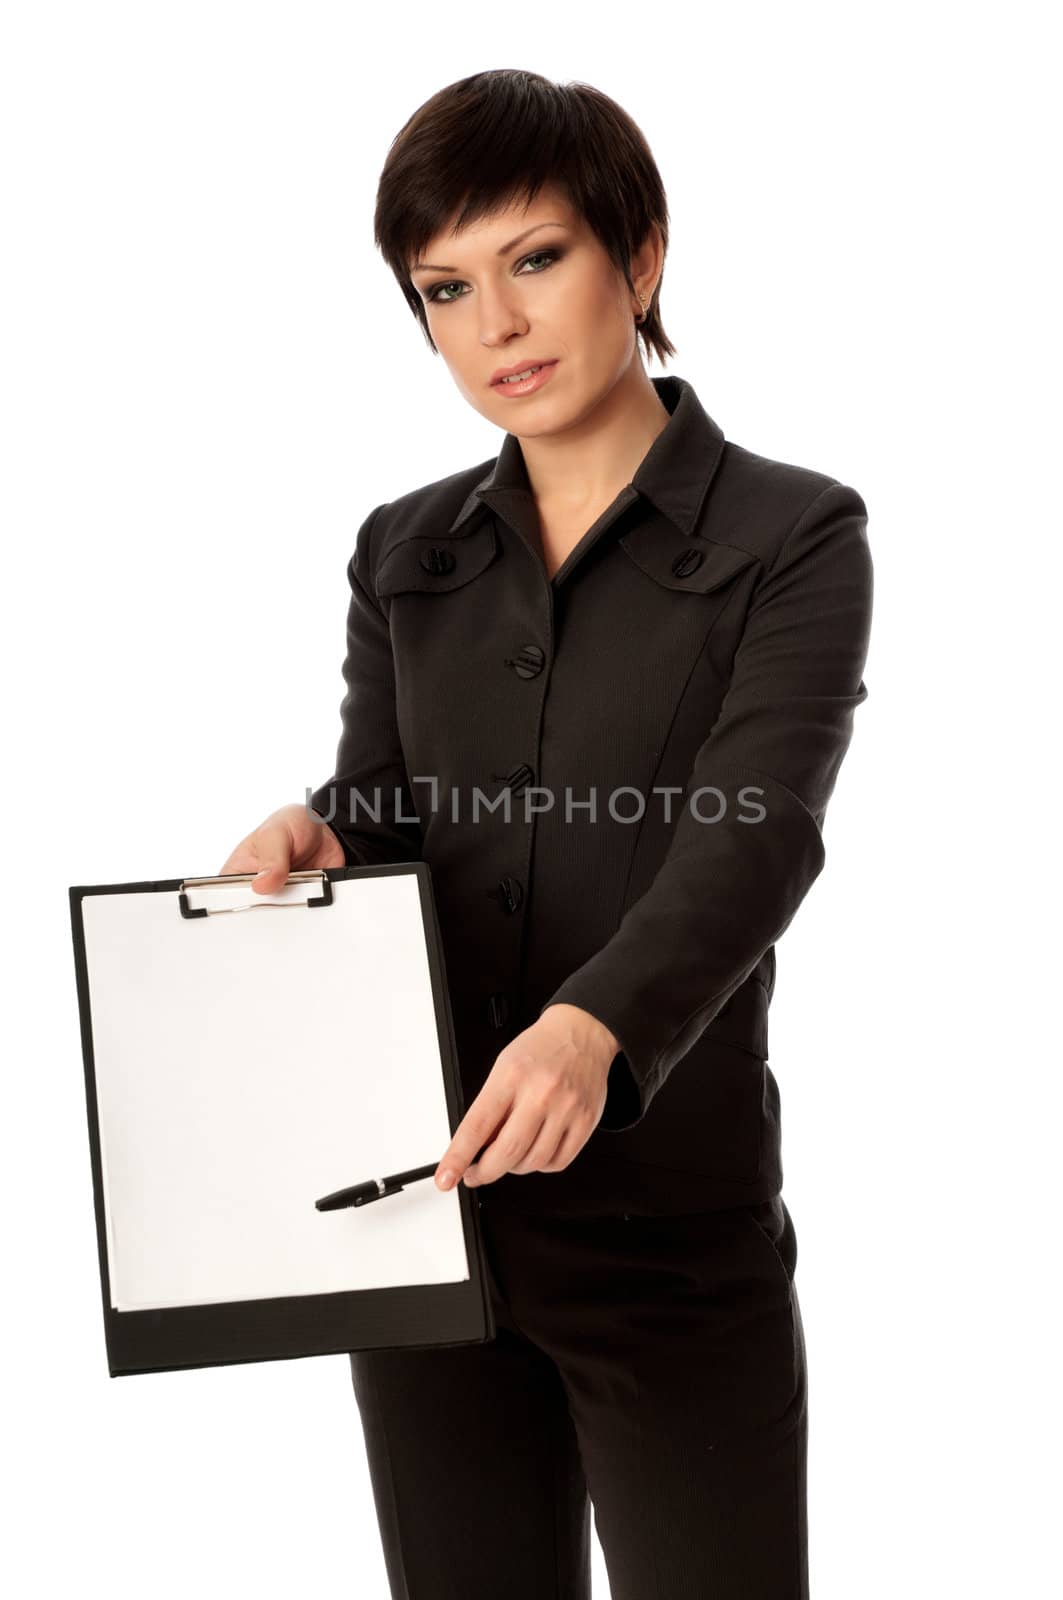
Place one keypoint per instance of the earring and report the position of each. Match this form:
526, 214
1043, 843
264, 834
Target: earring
642, 303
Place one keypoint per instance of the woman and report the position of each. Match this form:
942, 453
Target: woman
603, 684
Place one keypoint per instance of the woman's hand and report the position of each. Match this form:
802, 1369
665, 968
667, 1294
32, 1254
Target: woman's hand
288, 841
541, 1102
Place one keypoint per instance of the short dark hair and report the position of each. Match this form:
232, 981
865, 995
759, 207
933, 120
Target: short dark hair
485, 141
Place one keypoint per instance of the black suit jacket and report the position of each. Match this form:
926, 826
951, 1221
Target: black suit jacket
663, 722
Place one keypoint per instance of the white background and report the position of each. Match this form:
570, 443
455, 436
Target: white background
209, 378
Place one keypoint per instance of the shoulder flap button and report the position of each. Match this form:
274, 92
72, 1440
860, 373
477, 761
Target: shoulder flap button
437, 560
688, 562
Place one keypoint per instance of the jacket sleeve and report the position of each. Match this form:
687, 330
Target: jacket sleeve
367, 802
727, 890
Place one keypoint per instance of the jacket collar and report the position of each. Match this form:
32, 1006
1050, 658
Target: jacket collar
674, 474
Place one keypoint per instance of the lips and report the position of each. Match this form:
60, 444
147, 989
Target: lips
514, 372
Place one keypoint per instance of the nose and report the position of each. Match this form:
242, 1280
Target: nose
500, 319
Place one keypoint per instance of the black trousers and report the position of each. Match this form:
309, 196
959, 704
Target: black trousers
653, 1367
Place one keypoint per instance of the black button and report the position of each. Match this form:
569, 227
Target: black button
498, 1010
517, 780
528, 661
438, 560
688, 562
509, 893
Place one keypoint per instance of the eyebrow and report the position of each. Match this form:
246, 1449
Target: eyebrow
429, 266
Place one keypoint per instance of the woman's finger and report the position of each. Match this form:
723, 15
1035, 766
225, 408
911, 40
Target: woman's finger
508, 1148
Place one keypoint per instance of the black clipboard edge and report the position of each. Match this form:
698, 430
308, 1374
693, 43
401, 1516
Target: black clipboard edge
474, 1241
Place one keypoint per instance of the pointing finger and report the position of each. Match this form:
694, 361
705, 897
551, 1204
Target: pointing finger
474, 1131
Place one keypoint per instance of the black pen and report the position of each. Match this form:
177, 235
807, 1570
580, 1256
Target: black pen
360, 1194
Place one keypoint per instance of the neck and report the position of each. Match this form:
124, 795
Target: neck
587, 464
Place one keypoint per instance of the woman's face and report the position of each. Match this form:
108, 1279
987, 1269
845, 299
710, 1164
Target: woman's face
528, 285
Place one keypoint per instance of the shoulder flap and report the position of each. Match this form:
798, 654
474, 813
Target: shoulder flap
681, 561
435, 563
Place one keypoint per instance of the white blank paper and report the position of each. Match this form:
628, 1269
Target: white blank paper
248, 1063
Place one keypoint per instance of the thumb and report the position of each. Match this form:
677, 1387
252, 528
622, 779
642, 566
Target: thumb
269, 878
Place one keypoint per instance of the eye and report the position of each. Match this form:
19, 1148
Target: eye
540, 255
434, 295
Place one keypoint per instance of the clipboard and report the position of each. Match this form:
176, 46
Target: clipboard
237, 1067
